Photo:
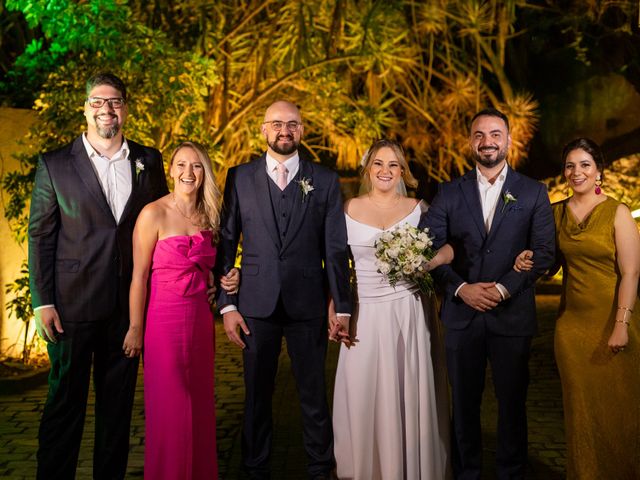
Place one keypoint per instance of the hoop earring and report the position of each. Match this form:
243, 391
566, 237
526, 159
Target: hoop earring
598, 190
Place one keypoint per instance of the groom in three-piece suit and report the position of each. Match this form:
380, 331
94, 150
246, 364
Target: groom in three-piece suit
86, 198
294, 254
489, 216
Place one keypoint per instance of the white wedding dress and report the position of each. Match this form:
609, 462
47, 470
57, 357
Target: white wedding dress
390, 405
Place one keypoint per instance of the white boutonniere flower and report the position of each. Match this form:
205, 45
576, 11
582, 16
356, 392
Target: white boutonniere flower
508, 198
305, 187
139, 167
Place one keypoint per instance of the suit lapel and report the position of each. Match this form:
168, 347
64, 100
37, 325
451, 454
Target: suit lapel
263, 198
87, 174
300, 204
135, 152
511, 186
469, 186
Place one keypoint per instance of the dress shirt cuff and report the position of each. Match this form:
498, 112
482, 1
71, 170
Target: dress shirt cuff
348, 315
228, 308
44, 306
504, 293
455, 294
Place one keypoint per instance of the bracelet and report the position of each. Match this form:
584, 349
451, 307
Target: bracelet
626, 322
625, 308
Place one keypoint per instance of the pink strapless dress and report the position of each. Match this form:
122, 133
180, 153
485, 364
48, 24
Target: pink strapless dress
180, 418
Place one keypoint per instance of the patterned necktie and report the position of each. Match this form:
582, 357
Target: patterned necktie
282, 176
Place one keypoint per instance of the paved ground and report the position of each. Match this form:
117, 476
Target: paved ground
19, 416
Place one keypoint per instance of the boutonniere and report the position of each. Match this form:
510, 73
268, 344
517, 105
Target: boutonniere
139, 167
305, 187
508, 198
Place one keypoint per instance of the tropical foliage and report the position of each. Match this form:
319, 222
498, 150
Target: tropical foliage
206, 70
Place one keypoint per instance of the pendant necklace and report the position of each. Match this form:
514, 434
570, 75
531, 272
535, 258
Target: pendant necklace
187, 217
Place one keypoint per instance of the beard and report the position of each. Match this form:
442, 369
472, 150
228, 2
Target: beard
284, 150
108, 132
485, 159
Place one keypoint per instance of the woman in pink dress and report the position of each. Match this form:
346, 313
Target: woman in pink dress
173, 253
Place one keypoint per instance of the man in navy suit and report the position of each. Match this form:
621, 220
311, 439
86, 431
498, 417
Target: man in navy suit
294, 255
86, 198
489, 216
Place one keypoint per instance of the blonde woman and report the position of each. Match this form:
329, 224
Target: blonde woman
173, 253
390, 413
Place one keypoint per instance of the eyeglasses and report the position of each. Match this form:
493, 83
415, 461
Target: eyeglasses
278, 125
98, 102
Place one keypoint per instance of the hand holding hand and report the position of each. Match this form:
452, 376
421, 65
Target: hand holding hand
524, 261
481, 296
132, 345
48, 324
339, 331
232, 321
231, 281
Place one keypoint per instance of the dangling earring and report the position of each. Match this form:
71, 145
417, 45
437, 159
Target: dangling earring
598, 190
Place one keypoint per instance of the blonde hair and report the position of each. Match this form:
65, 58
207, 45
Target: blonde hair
209, 197
398, 151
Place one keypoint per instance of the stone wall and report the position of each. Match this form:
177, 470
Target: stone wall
14, 124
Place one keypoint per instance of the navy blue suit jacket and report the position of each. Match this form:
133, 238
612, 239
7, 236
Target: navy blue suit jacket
302, 269
455, 217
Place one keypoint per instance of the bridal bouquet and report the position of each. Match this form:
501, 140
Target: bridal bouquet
401, 254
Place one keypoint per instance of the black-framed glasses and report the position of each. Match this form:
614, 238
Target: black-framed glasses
278, 125
98, 102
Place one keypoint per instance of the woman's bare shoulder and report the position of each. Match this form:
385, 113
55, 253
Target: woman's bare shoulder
354, 204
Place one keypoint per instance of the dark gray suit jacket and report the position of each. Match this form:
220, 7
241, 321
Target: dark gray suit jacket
455, 217
80, 259
309, 263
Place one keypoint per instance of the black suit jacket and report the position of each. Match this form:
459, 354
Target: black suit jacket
312, 259
80, 259
455, 217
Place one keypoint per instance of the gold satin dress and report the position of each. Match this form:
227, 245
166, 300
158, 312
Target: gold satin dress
601, 390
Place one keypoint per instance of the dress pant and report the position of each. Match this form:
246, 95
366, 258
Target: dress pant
114, 377
307, 349
467, 353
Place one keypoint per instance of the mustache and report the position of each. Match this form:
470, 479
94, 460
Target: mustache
287, 136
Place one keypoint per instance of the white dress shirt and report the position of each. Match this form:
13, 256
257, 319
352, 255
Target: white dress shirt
114, 175
489, 194
291, 164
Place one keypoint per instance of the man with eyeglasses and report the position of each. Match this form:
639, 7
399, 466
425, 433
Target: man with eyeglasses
294, 255
86, 198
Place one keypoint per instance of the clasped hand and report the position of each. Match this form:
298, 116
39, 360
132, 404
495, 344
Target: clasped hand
481, 296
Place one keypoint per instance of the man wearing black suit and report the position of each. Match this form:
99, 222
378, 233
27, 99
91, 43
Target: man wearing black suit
86, 198
489, 216
294, 254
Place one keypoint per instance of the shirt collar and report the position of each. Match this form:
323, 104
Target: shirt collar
290, 163
482, 180
121, 154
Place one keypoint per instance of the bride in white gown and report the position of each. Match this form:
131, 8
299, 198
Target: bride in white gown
390, 406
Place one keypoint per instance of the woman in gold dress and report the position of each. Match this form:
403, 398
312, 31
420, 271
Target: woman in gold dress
597, 344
